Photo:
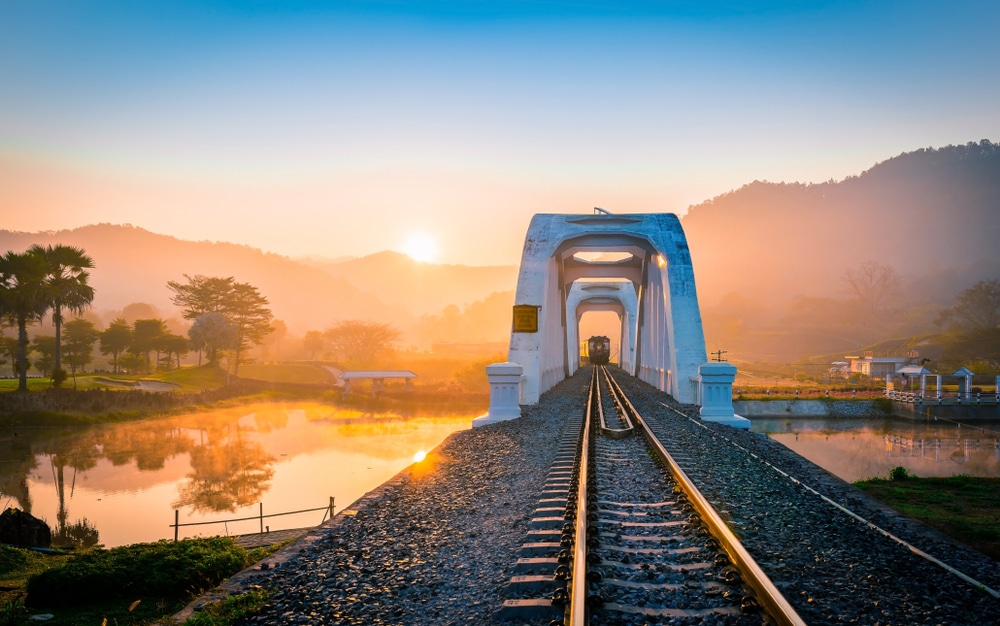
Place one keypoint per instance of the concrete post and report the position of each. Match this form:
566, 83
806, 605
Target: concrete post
505, 392
716, 394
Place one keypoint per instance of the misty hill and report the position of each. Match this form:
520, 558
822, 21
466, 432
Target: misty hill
933, 215
768, 252
134, 265
421, 287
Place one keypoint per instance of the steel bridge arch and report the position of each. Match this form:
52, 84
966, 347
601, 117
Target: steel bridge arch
669, 339
617, 297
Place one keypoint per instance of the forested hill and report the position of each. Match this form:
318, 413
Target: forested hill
933, 215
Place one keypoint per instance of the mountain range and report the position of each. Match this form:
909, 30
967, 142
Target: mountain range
759, 252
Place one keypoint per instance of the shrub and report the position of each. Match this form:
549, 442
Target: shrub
164, 569
58, 377
898, 473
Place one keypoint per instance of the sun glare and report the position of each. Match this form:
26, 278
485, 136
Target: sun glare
419, 456
420, 246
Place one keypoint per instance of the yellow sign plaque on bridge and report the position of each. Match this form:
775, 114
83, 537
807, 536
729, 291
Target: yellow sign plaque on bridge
526, 318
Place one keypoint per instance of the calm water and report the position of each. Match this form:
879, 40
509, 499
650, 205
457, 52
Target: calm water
126, 480
856, 449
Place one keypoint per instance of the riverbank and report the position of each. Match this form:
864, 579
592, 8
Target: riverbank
84, 407
877, 407
965, 508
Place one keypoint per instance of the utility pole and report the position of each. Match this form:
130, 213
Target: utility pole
718, 355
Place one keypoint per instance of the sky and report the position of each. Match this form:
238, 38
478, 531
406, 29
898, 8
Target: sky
439, 128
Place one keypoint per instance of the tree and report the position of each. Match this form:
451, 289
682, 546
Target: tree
174, 345
241, 303
313, 343
146, 337
251, 318
201, 294
81, 335
978, 307
9, 347
67, 285
361, 342
212, 332
874, 286
45, 346
116, 339
271, 344
24, 299
975, 331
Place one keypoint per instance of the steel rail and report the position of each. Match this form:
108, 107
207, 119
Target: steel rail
624, 404
767, 594
616, 396
576, 612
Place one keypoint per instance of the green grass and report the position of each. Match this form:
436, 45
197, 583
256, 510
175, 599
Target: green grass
965, 508
141, 584
188, 379
300, 373
34, 384
229, 610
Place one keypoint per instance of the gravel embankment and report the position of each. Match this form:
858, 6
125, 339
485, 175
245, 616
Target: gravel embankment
831, 567
437, 544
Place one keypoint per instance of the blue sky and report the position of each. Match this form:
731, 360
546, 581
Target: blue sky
344, 128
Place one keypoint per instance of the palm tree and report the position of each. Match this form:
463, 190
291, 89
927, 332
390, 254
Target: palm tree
67, 283
24, 298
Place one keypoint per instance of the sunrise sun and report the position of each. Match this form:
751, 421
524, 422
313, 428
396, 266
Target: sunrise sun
420, 246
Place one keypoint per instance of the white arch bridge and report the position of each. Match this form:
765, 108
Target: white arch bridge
637, 265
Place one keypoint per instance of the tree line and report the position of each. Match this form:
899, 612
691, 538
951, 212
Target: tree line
227, 317
35, 282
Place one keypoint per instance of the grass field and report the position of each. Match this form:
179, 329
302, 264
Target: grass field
963, 507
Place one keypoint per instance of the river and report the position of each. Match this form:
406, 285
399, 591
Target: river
121, 484
854, 449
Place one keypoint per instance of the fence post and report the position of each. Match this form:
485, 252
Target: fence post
262, 518
177, 522
331, 507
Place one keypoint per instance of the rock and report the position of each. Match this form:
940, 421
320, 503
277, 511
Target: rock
24, 530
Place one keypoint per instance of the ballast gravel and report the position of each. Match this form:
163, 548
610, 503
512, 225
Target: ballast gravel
437, 544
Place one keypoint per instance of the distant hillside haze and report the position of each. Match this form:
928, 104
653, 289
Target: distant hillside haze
134, 265
769, 261
770, 258
933, 215
424, 287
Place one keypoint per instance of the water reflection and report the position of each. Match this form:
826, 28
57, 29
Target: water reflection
126, 479
856, 449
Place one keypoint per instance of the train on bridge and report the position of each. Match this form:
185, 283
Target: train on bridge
599, 350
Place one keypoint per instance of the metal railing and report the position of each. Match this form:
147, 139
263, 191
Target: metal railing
329, 510
961, 397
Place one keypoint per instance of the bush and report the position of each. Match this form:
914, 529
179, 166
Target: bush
164, 569
898, 473
58, 377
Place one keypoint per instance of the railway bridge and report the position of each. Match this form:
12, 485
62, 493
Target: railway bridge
637, 265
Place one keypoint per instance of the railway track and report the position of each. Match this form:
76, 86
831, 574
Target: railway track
621, 536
